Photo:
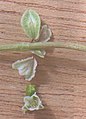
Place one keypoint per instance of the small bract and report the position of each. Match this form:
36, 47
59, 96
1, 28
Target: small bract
32, 103
45, 34
26, 67
40, 53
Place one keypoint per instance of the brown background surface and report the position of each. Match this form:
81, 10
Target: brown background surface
61, 76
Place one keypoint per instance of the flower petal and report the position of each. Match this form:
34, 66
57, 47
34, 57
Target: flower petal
40, 53
31, 23
45, 34
26, 67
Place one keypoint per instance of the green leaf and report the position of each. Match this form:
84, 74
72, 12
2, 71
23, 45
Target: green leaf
31, 22
40, 53
26, 67
45, 34
30, 90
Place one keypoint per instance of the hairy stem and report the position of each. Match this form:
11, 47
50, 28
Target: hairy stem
23, 46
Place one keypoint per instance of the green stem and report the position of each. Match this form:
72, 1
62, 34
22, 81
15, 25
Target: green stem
23, 46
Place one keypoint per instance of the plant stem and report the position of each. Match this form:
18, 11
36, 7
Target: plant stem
23, 46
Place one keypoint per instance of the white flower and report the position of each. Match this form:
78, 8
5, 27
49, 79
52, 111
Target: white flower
26, 67
32, 103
